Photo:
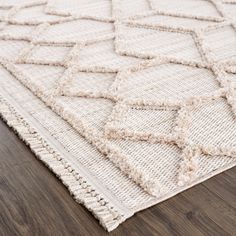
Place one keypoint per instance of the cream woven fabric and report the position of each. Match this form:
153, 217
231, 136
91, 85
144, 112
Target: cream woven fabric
128, 102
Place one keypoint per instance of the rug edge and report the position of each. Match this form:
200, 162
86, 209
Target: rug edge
109, 218
187, 187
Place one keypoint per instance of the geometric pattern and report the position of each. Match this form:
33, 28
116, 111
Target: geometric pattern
151, 75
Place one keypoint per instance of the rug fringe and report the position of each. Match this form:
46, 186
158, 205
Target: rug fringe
78, 187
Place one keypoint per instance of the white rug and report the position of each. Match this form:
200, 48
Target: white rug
128, 102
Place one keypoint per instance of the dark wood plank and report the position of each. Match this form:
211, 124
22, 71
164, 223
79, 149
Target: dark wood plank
34, 202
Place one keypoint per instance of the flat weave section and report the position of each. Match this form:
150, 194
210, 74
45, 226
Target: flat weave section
127, 102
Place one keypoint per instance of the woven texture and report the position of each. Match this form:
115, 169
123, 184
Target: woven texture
128, 102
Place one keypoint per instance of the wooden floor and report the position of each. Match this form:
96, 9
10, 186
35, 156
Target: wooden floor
34, 202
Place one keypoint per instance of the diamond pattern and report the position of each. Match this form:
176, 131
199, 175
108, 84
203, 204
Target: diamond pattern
168, 81
191, 7
137, 77
156, 42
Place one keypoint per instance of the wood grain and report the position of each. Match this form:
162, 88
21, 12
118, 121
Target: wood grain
34, 202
